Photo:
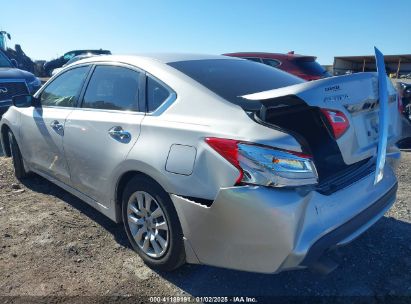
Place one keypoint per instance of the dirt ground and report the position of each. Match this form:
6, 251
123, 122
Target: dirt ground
52, 244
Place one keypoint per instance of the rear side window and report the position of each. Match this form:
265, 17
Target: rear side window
156, 94
271, 62
233, 78
64, 90
112, 88
311, 67
253, 59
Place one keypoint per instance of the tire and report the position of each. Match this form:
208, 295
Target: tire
145, 228
18, 164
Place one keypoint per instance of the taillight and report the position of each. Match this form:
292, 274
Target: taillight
263, 165
229, 150
338, 122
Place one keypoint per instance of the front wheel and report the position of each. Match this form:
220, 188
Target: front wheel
18, 164
152, 224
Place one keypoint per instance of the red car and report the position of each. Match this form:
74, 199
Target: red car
299, 65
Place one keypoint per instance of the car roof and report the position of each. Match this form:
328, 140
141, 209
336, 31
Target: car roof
88, 51
158, 57
271, 55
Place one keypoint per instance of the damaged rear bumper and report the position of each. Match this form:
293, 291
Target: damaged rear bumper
269, 230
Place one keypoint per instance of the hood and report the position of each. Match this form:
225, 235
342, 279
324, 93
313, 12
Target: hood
13, 73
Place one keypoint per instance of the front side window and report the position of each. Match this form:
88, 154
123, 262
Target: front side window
113, 88
156, 94
64, 90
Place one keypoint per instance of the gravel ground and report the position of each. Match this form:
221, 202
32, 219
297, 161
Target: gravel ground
52, 244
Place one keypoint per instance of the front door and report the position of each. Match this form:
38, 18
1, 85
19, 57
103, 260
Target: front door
42, 127
99, 134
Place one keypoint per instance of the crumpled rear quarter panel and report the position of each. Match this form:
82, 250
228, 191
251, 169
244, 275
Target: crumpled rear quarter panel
261, 229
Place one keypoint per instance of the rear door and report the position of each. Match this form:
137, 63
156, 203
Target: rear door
42, 128
100, 133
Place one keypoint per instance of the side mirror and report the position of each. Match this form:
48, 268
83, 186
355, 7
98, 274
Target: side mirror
14, 62
24, 101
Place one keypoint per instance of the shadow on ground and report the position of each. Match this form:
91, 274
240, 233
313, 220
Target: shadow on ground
39, 184
376, 264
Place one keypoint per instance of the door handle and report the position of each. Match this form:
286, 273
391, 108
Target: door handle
119, 134
57, 126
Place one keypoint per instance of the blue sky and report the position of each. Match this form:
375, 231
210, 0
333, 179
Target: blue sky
49, 28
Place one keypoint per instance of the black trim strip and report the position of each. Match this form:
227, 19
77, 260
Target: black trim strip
346, 177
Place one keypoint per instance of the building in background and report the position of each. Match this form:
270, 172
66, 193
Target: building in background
396, 65
328, 68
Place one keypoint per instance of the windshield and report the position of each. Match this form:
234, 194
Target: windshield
233, 78
311, 67
76, 58
69, 56
4, 61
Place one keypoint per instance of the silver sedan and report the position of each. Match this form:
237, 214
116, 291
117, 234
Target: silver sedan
211, 159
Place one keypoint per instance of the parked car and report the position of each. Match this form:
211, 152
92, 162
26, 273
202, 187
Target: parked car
404, 90
264, 176
405, 95
72, 60
406, 76
305, 67
49, 66
14, 81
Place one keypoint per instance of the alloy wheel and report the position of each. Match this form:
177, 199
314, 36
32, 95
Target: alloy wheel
148, 224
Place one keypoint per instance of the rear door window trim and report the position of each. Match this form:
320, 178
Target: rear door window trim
166, 103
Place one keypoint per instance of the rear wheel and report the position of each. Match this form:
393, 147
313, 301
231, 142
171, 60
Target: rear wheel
152, 224
19, 170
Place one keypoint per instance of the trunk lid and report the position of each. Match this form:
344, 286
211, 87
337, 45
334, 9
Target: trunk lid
355, 95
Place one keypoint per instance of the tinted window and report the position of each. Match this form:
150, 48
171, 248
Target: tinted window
76, 58
253, 59
69, 56
311, 67
231, 78
64, 90
156, 94
112, 88
271, 62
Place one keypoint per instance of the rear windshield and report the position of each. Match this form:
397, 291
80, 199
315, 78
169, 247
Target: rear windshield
232, 78
312, 67
4, 62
